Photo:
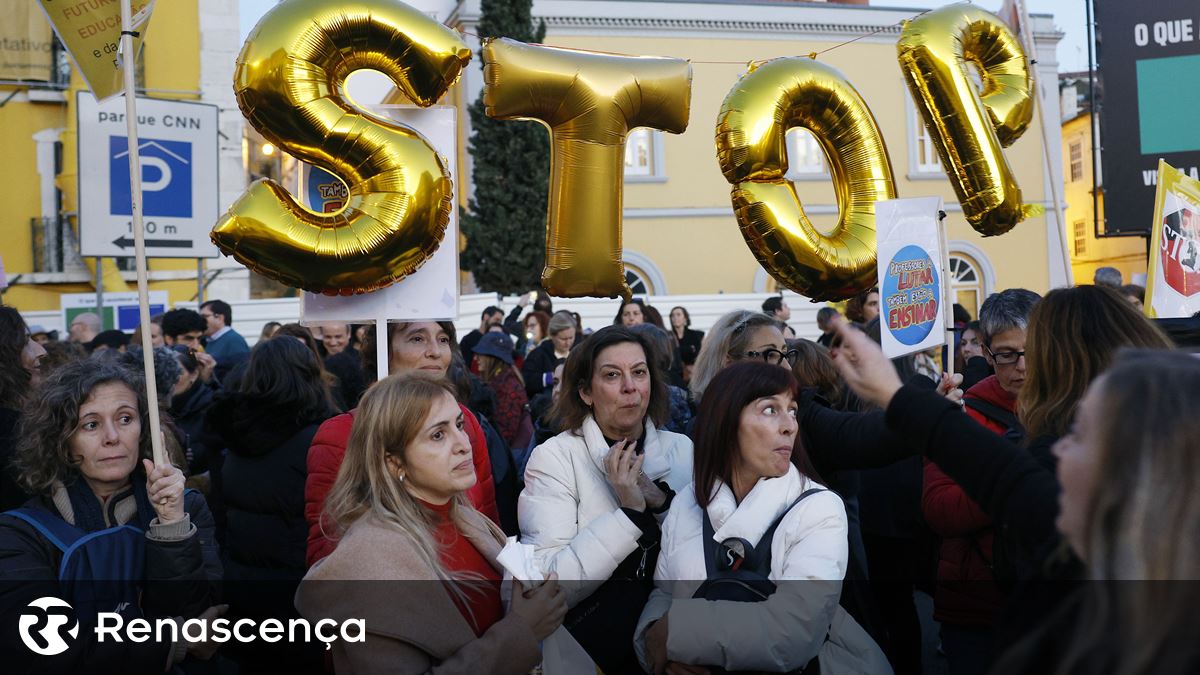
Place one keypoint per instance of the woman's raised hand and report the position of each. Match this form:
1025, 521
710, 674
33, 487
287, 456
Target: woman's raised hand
864, 366
624, 467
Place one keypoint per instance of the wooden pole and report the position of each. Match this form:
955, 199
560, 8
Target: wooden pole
129, 61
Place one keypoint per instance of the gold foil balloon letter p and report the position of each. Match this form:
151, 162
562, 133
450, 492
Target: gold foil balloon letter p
590, 102
970, 128
751, 137
290, 84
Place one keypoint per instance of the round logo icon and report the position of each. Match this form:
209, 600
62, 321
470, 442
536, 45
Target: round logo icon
911, 295
43, 624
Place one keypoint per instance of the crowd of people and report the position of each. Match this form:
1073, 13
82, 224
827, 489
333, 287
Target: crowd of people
736, 500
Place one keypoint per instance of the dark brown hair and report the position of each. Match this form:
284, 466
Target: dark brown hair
569, 409
14, 379
814, 368
717, 423
1073, 336
855, 305
43, 454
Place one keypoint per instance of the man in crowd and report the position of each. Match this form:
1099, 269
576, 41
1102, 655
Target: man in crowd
775, 307
336, 338
344, 361
221, 341
492, 316
1108, 276
828, 321
85, 327
183, 327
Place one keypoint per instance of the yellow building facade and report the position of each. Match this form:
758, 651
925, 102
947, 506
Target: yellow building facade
680, 236
1089, 251
189, 53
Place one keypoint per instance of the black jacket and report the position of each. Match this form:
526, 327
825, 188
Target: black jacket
263, 488
11, 494
190, 411
539, 362
182, 581
689, 345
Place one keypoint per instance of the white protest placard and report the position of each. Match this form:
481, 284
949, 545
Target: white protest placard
911, 291
177, 141
430, 293
1173, 280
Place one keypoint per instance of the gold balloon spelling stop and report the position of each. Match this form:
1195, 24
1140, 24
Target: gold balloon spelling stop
290, 85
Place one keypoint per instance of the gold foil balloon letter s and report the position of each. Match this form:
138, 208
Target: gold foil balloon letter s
969, 127
751, 130
590, 102
290, 84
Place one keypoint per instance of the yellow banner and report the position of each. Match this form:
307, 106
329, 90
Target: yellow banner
91, 32
1173, 277
26, 42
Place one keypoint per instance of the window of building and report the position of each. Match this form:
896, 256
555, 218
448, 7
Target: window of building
922, 156
642, 154
804, 153
637, 283
1076, 161
1080, 237
966, 282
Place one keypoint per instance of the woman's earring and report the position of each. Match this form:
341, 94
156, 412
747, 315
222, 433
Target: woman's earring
401, 478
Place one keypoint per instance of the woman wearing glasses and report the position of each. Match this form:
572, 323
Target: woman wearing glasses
595, 494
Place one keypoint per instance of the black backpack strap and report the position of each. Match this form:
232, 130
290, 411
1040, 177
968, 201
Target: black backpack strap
762, 552
711, 547
992, 412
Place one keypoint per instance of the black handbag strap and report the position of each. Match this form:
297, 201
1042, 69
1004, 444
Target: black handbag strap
761, 553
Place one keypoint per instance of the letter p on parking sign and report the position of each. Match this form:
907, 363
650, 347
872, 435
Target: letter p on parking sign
166, 177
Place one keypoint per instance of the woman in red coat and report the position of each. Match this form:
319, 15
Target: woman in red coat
421, 347
494, 354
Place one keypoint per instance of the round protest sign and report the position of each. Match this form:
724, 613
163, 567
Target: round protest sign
911, 294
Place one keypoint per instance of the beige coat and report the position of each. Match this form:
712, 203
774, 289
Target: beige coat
412, 624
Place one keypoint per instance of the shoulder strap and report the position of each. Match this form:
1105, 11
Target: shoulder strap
762, 551
711, 547
992, 411
60, 533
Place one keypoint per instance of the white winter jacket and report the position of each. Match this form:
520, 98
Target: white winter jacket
785, 631
572, 516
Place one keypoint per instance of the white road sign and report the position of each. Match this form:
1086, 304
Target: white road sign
178, 145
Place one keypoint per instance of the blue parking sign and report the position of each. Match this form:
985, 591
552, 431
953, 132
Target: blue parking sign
166, 177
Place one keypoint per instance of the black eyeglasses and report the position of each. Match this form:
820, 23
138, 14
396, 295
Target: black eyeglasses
774, 356
1005, 358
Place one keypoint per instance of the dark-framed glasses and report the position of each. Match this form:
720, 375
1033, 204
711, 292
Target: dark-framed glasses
1005, 358
774, 356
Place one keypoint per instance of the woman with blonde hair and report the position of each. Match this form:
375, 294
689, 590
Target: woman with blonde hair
737, 335
401, 513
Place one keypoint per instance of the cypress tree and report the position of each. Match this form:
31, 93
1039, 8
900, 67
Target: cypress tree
505, 226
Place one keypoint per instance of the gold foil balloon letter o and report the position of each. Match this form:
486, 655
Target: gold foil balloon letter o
969, 127
751, 130
290, 84
590, 101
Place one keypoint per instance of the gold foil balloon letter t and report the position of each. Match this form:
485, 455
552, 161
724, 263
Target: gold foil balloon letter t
590, 102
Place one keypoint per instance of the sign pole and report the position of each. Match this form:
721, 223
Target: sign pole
200, 281
129, 61
383, 349
947, 297
99, 284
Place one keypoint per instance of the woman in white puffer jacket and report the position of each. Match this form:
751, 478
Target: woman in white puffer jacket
748, 483
595, 494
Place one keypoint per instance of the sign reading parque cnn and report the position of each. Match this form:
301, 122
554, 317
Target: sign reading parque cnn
178, 145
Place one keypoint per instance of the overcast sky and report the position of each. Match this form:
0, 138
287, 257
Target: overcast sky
1069, 15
